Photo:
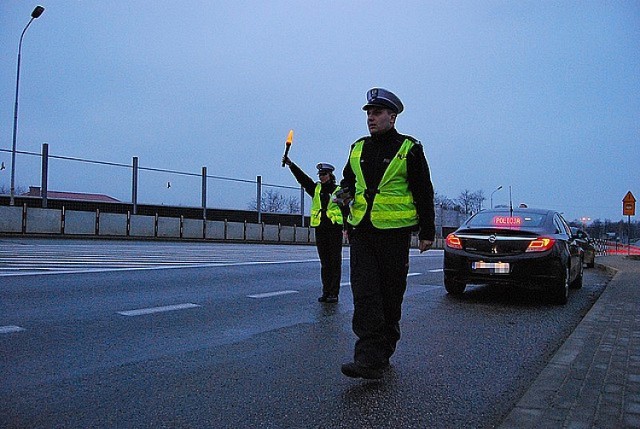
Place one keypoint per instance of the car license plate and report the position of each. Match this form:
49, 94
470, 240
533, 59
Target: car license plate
491, 267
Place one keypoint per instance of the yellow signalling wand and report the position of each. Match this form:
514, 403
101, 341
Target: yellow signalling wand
287, 145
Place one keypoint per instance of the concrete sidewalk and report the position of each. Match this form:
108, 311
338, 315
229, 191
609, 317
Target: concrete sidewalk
593, 380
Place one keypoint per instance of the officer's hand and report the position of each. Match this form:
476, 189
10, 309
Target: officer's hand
424, 245
286, 160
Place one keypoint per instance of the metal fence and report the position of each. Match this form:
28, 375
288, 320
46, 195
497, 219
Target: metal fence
149, 185
141, 185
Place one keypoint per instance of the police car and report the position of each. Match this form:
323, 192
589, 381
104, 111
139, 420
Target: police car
524, 247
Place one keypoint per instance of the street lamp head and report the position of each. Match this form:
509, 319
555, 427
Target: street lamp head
499, 187
37, 12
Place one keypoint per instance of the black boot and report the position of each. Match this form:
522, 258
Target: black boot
356, 370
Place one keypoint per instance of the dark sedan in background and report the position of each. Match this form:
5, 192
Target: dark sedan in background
586, 243
525, 247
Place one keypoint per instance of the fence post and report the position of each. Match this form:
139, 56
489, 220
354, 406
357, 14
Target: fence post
134, 186
44, 179
301, 205
204, 193
204, 202
259, 197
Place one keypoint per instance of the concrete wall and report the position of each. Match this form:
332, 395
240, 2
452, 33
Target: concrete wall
192, 228
77, 222
169, 227
10, 219
254, 232
44, 221
235, 231
215, 230
113, 224
271, 233
286, 233
142, 226
81, 223
302, 235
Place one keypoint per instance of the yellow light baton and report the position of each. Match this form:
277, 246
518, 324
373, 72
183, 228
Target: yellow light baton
287, 145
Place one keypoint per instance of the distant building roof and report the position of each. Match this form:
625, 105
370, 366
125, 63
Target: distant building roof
34, 191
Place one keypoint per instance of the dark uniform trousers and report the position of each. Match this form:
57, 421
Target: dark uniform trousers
329, 244
379, 268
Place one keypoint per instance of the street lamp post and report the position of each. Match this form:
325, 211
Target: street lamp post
35, 14
497, 189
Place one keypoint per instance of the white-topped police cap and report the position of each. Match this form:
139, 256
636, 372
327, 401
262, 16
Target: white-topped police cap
325, 166
380, 97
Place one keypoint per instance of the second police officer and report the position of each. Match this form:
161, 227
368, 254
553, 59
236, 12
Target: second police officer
326, 218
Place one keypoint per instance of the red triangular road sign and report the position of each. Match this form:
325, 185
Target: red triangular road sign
629, 198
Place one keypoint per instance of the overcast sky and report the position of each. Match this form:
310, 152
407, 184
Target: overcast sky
539, 96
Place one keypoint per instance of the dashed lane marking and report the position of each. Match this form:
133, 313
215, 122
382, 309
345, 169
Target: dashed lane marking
10, 329
270, 294
151, 310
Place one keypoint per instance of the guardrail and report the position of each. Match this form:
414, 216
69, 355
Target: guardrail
74, 223
34, 221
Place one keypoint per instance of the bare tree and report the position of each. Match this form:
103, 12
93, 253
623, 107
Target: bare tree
6, 190
466, 201
470, 202
443, 201
273, 201
478, 198
293, 205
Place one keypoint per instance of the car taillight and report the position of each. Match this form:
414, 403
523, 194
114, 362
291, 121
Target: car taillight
541, 244
453, 241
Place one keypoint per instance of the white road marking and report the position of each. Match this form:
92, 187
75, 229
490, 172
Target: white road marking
270, 294
170, 267
157, 309
439, 270
10, 329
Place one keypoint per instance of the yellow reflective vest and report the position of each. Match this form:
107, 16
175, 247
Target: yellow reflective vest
393, 205
333, 210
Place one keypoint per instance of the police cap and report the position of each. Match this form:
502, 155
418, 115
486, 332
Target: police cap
325, 167
379, 97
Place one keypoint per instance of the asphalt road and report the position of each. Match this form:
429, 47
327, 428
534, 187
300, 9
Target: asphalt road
124, 334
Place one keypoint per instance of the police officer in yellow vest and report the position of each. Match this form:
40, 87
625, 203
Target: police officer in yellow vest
390, 195
327, 219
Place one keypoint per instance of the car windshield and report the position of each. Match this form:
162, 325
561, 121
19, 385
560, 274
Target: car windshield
505, 220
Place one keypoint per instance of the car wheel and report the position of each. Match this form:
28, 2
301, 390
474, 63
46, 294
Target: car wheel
454, 287
560, 292
577, 283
